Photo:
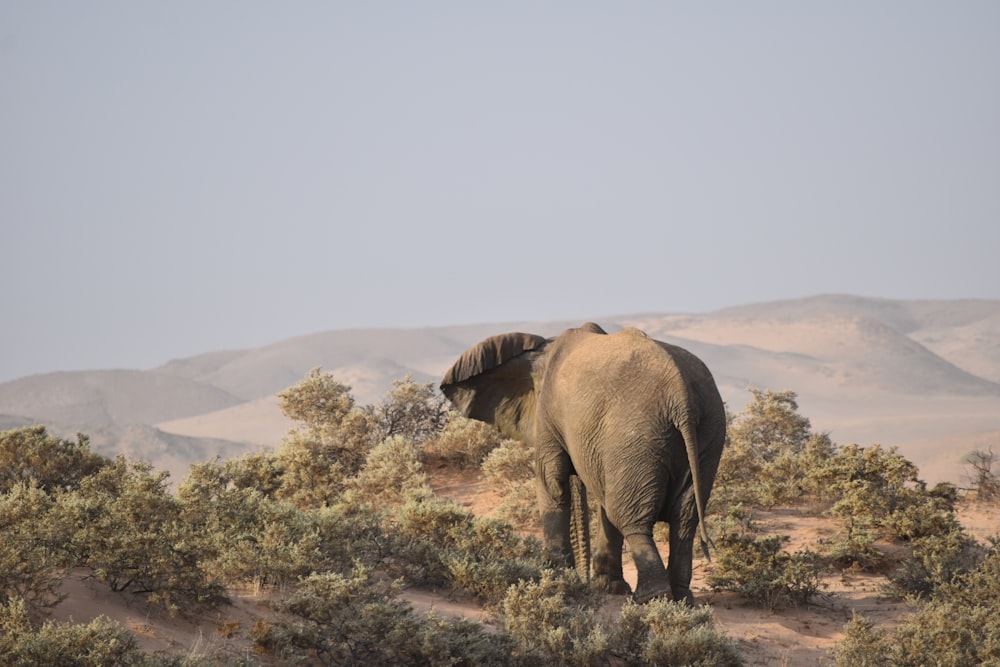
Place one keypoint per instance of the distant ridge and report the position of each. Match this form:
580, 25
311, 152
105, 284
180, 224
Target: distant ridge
897, 372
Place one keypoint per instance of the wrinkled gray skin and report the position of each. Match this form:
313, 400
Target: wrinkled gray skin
639, 421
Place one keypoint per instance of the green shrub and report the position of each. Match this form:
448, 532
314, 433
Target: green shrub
358, 619
863, 645
31, 454
510, 471
854, 547
770, 451
392, 472
958, 625
463, 442
128, 528
552, 620
31, 548
438, 542
877, 488
664, 632
935, 560
761, 571
96, 644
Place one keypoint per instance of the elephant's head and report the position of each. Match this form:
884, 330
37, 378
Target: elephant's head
496, 382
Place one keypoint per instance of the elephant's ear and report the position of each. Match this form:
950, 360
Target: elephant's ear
492, 378
489, 354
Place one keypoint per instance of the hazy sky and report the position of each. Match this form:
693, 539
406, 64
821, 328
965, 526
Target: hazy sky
180, 177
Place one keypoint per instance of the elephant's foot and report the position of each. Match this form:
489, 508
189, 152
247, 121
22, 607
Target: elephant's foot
684, 596
645, 594
611, 585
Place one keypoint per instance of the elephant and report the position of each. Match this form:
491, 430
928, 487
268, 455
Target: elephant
639, 421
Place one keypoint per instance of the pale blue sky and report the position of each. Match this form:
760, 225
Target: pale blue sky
186, 176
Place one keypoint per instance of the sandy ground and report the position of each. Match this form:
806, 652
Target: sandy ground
792, 637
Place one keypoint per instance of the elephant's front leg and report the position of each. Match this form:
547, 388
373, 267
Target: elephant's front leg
552, 486
608, 544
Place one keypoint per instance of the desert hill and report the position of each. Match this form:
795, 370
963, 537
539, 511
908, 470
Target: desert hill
922, 375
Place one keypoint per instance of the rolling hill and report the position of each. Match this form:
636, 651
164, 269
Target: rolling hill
922, 375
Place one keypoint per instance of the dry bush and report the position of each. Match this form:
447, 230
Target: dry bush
959, 624
552, 620
761, 571
358, 619
99, 643
664, 632
31, 549
391, 473
510, 471
463, 442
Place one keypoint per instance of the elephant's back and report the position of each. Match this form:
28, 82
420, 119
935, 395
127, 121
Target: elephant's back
626, 361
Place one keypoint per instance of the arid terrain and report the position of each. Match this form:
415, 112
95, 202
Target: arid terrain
795, 637
923, 376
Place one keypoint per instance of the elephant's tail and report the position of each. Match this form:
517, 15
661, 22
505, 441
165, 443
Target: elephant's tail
579, 526
691, 444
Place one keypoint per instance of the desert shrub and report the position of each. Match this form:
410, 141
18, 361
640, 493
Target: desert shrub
863, 645
769, 453
935, 560
358, 619
31, 547
855, 548
251, 538
879, 489
330, 434
940, 633
314, 472
343, 620
552, 620
510, 471
31, 454
981, 584
512, 461
413, 411
761, 571
519, 506
959, 624
738, 520
438, 542
488, 556
422, 531
985, 483
127, 527
392, 471
463, 442
97, 644
664, 632
261, 471
463, 642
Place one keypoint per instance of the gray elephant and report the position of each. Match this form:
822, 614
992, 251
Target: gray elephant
639, 421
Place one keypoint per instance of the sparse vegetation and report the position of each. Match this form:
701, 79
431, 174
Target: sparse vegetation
761, 571
958, 625
341, 515
985, 483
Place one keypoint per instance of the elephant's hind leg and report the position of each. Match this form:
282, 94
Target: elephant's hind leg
552, 479
651, 579
608, 543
